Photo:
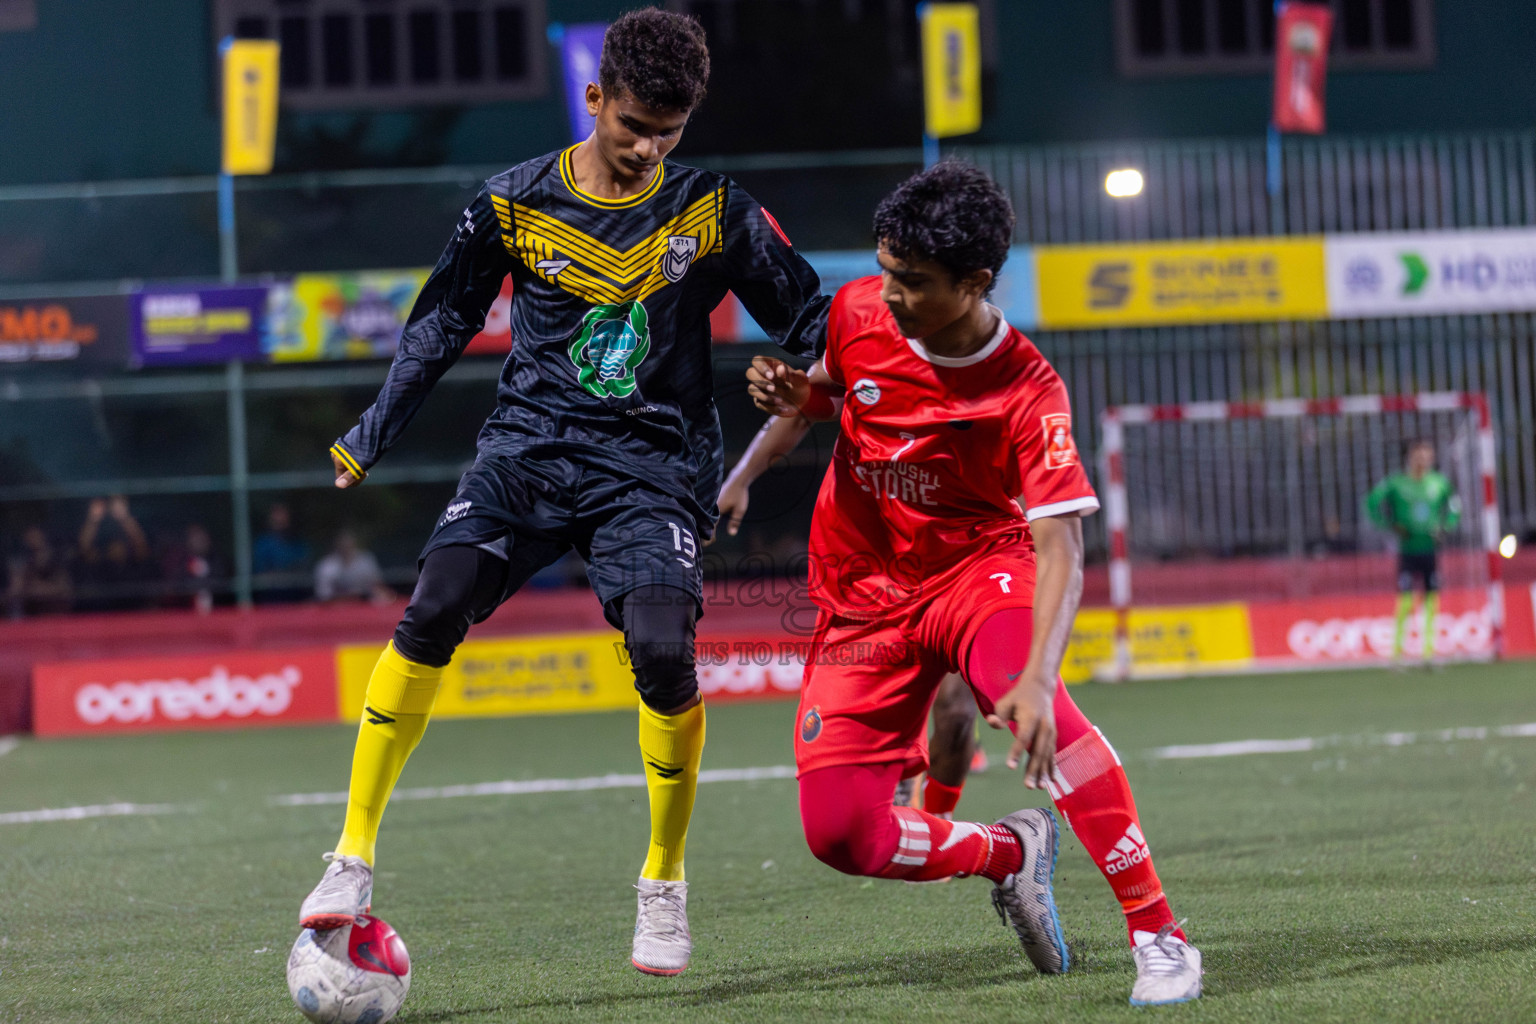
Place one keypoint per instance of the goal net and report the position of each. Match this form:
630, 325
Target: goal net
1263, 505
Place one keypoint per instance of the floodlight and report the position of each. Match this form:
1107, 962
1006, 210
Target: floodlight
1124, 183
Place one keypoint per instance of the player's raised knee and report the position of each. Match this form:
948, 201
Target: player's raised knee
664, 673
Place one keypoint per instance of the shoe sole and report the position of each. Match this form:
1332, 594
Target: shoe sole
1050, 898
1165, 1002
330, 922
660, 972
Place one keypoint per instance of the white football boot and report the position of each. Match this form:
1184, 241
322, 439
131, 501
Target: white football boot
1167, 969
662, 942
345, 890
1024, 898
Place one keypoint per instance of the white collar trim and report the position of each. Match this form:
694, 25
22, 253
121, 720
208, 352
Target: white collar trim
992, 345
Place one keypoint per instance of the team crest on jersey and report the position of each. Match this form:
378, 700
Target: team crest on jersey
866, 391
681, 249
810, 725
613, 341
1060, 452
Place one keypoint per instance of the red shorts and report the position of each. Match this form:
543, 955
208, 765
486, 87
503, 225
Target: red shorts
869, 684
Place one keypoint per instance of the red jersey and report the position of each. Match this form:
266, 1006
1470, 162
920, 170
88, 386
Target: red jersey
932, 454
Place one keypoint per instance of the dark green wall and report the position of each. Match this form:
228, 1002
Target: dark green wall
106, 89
1057, 81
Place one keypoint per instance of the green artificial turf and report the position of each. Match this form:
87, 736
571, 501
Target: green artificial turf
1359, 881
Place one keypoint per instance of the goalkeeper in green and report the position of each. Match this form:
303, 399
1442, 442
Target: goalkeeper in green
1420, 506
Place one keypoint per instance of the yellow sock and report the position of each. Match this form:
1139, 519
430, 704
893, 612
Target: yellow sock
395, 712
671, 747
1404, 609
1431, 607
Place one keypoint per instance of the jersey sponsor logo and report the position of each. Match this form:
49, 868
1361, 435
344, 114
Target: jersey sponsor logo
612, 343
810, 726
681, 249
456, 511
1060, 452
866, 391
898, 481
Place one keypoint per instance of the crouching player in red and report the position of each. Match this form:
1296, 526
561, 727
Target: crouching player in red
946, 538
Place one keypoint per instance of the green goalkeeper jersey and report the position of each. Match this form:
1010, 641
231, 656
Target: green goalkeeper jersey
1418, 511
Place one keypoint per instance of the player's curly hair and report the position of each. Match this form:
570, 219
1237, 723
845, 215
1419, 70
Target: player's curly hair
952, 214
657, 57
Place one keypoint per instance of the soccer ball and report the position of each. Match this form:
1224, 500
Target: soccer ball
353, 975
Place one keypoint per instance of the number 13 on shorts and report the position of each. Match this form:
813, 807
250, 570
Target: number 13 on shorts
683, 542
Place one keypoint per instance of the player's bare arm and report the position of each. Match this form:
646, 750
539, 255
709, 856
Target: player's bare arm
781, 390
776, 439
1058, 590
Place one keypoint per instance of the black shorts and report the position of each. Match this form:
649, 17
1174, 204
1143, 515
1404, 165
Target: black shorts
532, 510
1423, 567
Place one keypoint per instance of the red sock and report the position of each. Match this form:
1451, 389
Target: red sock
931, 848
1089, 787
940, 799
1092, 793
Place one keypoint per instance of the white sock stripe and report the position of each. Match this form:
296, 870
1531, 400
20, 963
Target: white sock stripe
1110, 746
916, 862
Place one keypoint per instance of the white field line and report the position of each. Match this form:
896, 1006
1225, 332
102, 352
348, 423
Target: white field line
8, 744
79, 813
1240, 748
520, 787
514, 787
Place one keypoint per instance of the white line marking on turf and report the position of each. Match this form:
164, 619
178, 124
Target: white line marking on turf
77, 813
1239, 748
8, 744
519, 787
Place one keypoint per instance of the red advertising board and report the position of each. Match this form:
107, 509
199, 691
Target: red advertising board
496, 337
1345, 629
214, 691
750, 667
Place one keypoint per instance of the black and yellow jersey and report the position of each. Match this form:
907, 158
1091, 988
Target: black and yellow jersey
611, 300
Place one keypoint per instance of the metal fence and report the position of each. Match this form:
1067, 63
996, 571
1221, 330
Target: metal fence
1329, 185
1218, 188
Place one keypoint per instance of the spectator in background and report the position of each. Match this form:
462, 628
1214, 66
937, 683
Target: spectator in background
350, 573
193, 569
115, 568
39, 578
278, 557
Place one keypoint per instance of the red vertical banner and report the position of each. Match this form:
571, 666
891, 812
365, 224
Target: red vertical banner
1301, 66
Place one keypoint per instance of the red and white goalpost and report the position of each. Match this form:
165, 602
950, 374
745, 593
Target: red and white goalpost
1308, 418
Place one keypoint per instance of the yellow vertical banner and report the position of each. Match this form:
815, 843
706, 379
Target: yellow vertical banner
951, 68
250, 105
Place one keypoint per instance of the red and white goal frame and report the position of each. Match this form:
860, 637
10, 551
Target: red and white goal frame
1114, 420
